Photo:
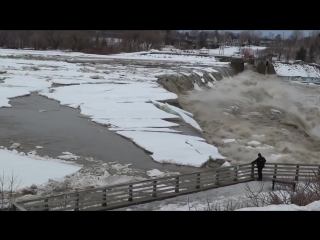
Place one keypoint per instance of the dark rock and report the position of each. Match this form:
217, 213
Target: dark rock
26, 191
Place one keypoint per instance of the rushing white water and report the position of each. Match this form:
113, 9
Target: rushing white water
263, 114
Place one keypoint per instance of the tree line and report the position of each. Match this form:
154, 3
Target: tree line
88, 41
295, 46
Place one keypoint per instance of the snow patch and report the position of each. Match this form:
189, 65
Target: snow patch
254, 143
226, 164
154, 173
229, 140
275, 111
15, 145
32, 169
196, 87
68, 156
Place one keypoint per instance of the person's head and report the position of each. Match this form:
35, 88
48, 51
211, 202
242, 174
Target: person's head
259, 154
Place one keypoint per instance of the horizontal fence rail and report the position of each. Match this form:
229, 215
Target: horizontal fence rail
121, 195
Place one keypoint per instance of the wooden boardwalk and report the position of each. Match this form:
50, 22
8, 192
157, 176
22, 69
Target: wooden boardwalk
123, 195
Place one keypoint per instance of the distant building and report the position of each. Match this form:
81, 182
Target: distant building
235, 41
212, 42
188, 42
267, 42
204, 51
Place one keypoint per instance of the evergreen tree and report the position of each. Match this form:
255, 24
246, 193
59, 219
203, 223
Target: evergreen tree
301, 54
311, 53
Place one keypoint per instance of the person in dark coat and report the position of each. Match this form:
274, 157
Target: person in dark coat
260, 161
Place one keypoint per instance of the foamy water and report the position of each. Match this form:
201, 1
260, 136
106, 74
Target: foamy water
262, 114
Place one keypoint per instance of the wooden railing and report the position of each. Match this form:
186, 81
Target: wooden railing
122, 195
294, 171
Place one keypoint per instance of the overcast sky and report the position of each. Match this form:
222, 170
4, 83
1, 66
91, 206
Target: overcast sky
276, 32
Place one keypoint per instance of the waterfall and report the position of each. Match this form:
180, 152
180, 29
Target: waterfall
189, 79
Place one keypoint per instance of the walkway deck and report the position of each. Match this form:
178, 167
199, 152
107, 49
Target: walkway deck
123, 195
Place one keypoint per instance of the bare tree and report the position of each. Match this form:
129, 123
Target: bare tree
168, 37
203, 36
248, 36
19, 38
8, 188
227, 36
271, 35
54, 38
304, 193
194, 33
133, 38
178, 37
4, 34
278, 40
288, 49
37, 41
76, 39
295, 36
162, 34
314, 33
216, 34
150, 38
256, 37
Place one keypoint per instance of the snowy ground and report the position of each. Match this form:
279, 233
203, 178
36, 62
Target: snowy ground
233, 51
228, 51
147, 55
314, 206
296, 70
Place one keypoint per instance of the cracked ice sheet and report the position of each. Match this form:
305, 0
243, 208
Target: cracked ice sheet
185, 117
146, 129
33, 169
114, 110
135, 123
90, 93
27, 82
10, 92
19, 86
174, 148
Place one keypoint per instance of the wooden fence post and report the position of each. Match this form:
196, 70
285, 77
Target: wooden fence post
252, 170
13, 207
104, 198
47, 205
272, 184
154, 189
177, 185
217, 177
275, 172
77, 202
236, 173
297, 173
198, 180
130, 193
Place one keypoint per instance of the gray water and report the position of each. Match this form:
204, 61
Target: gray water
61, 128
